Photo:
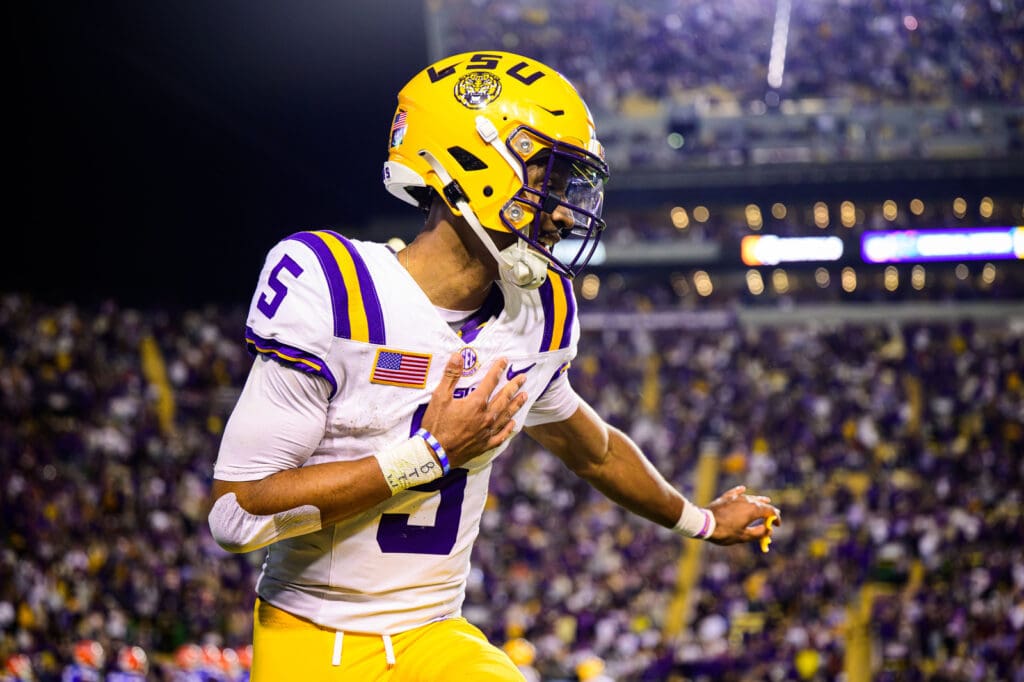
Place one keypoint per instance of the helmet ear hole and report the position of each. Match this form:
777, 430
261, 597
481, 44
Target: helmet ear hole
488, 191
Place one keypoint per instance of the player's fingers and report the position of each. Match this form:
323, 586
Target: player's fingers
452, 374
766, 517
501, 435
732, 493
756, 532
490, 380
509, 396
504, 407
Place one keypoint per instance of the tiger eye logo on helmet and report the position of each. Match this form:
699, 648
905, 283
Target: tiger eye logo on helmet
477, 89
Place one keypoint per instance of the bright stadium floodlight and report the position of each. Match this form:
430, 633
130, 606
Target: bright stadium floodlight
911, 246
780, 39
772, 250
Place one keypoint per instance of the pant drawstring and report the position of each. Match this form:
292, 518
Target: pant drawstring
336, 657
389, 651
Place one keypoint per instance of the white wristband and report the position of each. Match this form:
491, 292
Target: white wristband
408, 463
695, 522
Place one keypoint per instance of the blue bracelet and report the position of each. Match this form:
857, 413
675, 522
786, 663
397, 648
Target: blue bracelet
442, 456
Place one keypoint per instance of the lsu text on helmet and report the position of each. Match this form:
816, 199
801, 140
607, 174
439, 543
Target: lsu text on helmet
468, 126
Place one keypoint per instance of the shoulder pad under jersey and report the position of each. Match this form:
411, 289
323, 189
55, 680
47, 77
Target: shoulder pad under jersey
314, 287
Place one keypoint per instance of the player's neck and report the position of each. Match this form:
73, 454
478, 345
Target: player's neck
448, 273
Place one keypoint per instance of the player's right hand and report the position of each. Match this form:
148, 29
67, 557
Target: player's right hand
469, 426
739, 517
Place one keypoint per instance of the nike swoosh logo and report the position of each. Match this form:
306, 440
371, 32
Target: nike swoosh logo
513, 373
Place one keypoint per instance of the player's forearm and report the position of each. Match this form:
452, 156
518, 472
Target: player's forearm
339, 490
611, 462
628, 478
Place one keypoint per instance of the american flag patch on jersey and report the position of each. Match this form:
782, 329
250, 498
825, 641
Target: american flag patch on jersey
400, 368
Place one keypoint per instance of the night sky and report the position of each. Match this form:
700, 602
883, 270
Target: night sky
161, 148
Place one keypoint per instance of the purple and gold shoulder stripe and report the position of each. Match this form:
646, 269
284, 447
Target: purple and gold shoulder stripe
290, 357
559, 312
354, 300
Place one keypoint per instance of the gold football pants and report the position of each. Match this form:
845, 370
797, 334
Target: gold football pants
287, 648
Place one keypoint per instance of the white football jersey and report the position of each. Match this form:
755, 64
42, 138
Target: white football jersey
347, 311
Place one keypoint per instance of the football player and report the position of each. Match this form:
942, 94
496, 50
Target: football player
386, 383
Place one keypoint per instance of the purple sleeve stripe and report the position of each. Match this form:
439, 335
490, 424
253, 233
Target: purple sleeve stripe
548, 302
290, 357
335, 283
371, 302
561, 369
570, 311
548, 291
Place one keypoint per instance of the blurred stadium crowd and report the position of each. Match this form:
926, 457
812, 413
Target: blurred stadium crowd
677, 83
893, 448
619, 53
894, 452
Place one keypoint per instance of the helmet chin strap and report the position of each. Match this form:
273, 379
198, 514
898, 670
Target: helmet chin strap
518, 264
522, 266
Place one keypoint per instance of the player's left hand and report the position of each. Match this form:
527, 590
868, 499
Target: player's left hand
740, 517
479, 422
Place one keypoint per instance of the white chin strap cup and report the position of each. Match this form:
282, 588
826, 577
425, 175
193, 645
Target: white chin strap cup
522, 266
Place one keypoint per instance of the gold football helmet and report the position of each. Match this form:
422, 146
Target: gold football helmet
467, 126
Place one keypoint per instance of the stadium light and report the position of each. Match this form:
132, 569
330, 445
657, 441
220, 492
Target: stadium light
917, 277
959, 207
986, 207
680, 219
753, 214
889, 210
849, 280
848, 214
755, 283
892, 278
772, 250
780, 281
821, 214
979, 243
702, 283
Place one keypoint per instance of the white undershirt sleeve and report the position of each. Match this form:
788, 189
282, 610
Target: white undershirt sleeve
558, 402
278, 422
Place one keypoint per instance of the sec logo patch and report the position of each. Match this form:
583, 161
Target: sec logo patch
469, 361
